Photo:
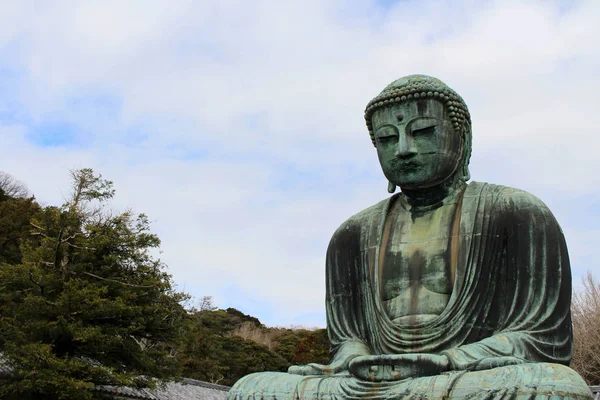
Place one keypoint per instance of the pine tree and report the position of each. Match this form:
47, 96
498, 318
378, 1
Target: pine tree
15, 214
87, 304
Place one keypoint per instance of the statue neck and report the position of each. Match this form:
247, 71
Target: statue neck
420, 197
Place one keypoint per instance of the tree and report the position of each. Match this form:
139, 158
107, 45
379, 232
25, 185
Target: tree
212, 352
11, 187
314, 348
16, 209
15, 214
585, 311
87, 304
206, 303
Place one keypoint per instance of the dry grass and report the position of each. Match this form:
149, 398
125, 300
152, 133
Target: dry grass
585, 309
250, 331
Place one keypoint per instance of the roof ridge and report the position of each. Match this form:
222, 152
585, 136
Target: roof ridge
209, 385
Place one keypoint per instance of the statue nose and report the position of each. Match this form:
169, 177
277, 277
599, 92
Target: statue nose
406, 146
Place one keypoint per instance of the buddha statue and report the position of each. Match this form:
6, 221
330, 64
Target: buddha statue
447, 289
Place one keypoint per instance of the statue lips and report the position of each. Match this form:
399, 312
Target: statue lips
410, 165
405, 165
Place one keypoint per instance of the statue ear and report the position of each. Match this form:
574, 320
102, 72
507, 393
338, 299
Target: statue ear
391, 187
466, 175
464, 172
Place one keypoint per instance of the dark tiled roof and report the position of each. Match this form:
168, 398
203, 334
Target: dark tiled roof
189, 389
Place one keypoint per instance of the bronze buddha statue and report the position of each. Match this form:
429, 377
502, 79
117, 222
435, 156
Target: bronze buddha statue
447, 289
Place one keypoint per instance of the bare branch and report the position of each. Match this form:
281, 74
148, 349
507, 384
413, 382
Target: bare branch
12, 187
116, 281
36, 283
585, 311
73, 236
40, 234
81, 247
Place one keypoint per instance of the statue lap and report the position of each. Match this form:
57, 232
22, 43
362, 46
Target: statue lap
523, 381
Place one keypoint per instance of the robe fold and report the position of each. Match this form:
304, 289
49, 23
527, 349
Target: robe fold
509, 308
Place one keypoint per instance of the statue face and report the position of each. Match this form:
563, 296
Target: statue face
416, 144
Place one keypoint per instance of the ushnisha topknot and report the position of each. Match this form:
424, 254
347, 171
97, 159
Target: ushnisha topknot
415, 87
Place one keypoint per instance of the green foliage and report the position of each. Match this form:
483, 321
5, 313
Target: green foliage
221, 346
303, 346
85, 303
288, 341
314, 348
15, 214
211, 353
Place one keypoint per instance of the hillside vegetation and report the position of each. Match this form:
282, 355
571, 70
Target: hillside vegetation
84, 303
221, 346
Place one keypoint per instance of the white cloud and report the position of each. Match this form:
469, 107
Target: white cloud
237, 126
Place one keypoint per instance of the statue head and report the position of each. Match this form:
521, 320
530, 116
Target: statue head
422, 131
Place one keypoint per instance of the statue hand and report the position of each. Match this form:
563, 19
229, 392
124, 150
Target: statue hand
494, 362
346, 353
319, 369
394, 367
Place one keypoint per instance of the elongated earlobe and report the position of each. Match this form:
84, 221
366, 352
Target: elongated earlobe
466, 175
391, 187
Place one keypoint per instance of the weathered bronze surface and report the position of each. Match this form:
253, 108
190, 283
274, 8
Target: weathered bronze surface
445, 290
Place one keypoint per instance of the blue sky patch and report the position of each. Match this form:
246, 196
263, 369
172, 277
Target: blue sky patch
95, 104
53, 134
387, 3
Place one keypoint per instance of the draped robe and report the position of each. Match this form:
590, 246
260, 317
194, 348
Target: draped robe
506, 328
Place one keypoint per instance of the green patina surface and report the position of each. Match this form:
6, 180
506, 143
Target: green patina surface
448, 289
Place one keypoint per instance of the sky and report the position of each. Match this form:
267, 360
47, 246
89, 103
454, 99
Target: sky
237, 126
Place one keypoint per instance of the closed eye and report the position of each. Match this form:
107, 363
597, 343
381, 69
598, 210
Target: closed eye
387, 134
387, 139
424, 131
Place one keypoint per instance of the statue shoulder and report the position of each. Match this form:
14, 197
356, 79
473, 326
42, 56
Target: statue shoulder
360, 221
365, 216
510, 200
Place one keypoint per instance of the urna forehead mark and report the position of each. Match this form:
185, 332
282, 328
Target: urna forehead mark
403, 113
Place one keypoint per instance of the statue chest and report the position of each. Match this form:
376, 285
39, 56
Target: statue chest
415, 269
